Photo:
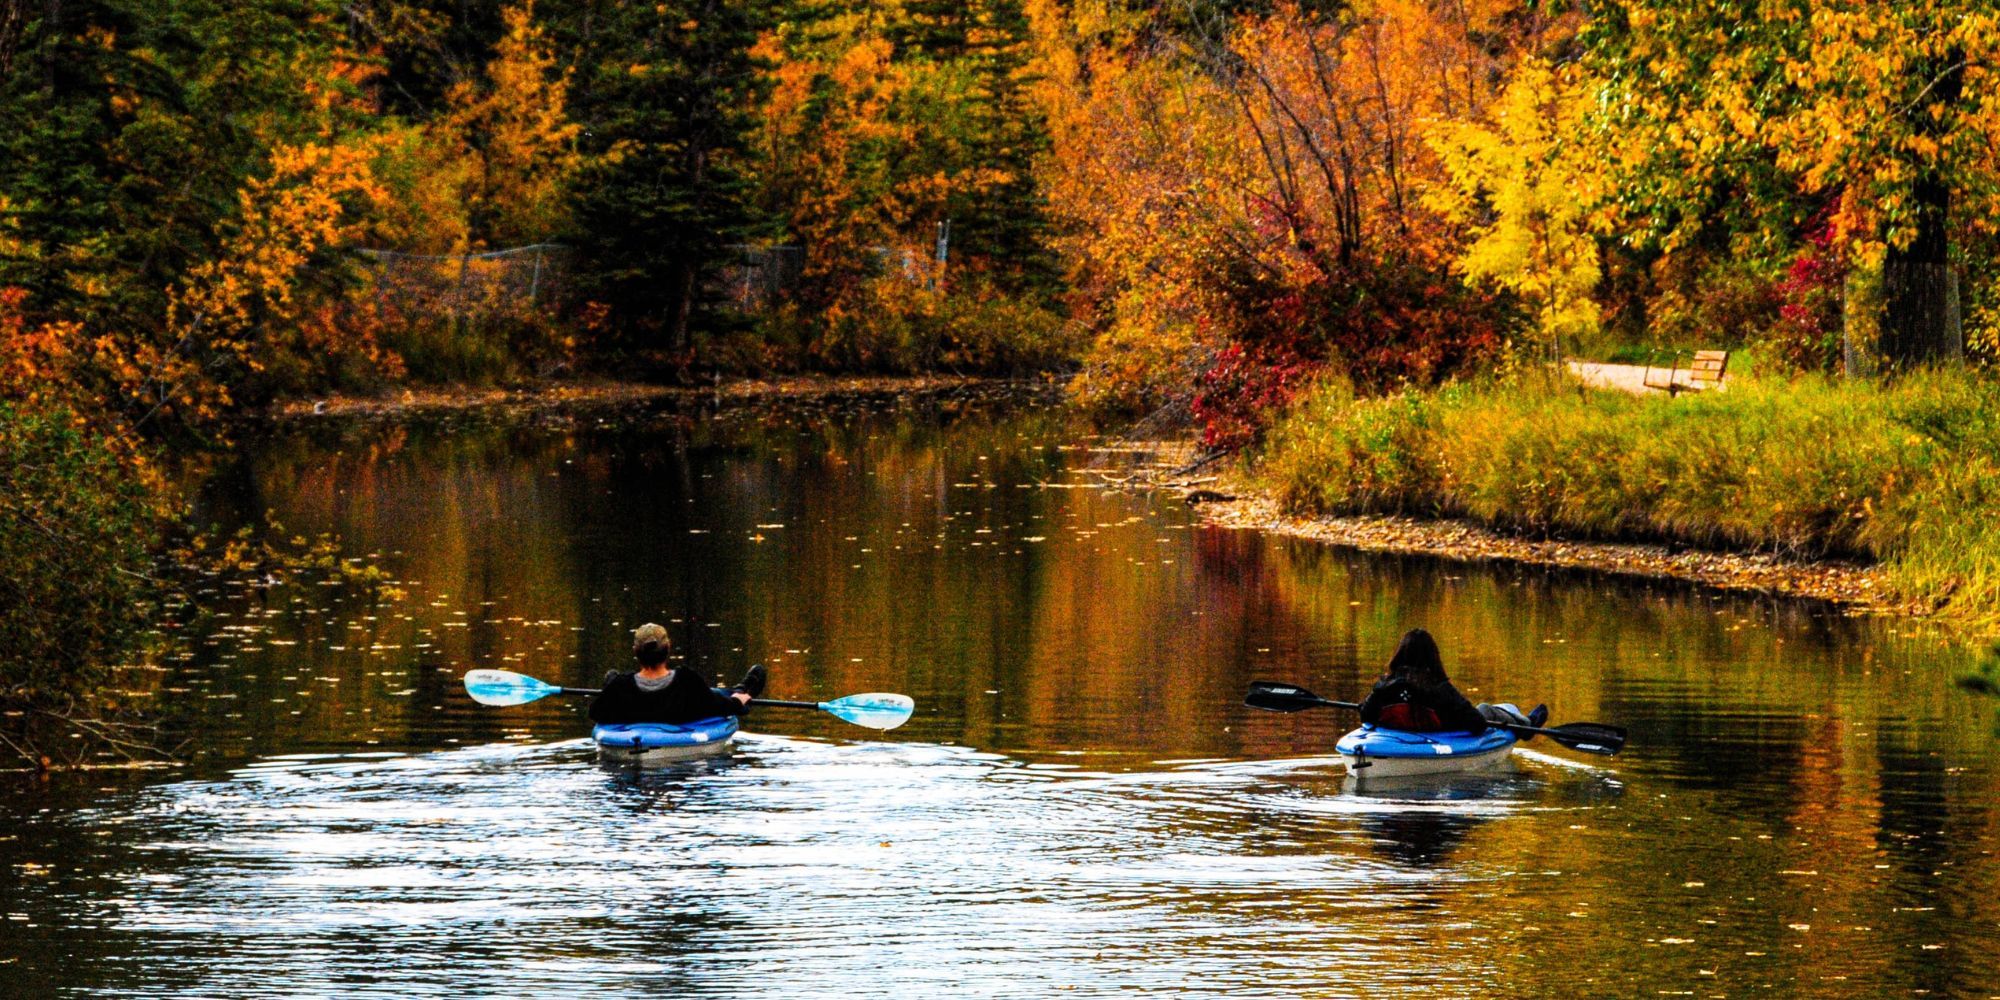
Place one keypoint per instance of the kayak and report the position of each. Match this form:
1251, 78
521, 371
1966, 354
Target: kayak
652, 744
1372, 752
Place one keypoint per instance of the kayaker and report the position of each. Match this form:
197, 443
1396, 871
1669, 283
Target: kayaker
659, 693
1414, 695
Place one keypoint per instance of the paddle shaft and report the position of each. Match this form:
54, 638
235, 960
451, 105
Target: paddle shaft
757, 702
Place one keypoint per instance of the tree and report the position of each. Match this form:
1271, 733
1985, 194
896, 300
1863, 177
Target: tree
1524, 186
665, 110
885, 123
1735, 108
513, 131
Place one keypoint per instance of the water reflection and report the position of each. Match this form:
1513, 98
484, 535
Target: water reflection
1081, 804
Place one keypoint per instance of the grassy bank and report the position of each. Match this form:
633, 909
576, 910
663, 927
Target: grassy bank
1904, 473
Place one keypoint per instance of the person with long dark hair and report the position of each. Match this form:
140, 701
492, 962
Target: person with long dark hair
1415, 695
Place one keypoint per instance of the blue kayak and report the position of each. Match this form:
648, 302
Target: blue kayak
647, 743
1375, 752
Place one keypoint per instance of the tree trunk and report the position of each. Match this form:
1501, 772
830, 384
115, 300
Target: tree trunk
1921, 322
683, 308
690, 269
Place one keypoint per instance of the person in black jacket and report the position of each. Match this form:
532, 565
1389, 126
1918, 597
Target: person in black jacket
1415, 695
659, 693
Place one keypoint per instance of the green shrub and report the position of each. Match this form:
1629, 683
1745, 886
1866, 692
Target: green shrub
77, 519
901, 327
1906, 473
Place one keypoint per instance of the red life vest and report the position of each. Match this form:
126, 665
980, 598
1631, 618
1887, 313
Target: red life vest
1410, 718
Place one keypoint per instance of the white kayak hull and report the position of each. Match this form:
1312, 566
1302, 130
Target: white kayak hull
1372, 753
1362, 766
661, 756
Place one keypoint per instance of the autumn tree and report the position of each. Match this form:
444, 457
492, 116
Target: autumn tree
130, 130
1523, 181
1262, 174
884, 124
1729, 108
513, 131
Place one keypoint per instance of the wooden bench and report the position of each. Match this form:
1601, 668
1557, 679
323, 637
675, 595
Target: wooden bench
1703, 371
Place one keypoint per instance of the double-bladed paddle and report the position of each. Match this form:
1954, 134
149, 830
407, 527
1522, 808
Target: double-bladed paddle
876, 711
1589, 737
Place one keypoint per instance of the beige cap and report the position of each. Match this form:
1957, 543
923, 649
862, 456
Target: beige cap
650, 633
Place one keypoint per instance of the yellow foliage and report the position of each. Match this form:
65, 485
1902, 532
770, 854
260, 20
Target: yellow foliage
515, 136
1283, 145
1525, 185
1847, 113
493, 169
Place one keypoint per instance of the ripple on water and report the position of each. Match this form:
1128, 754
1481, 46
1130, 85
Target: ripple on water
790, 867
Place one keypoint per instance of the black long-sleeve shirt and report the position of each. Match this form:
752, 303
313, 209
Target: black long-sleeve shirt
686, 698
1454, 713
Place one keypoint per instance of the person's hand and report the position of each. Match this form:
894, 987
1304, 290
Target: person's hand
741, 697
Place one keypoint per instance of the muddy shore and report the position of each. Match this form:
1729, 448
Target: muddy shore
592, 393
1859, 589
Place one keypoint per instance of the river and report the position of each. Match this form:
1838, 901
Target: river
1081, 805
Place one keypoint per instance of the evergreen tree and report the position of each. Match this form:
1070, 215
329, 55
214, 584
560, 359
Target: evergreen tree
665, 101
128, 129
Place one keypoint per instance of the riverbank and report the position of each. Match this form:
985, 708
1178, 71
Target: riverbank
551, 395
1874, 494
1855, 587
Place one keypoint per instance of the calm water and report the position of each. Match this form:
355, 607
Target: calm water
1081, 804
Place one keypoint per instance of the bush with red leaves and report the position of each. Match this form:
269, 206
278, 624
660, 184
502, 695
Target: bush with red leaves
1808, 331
1383, 325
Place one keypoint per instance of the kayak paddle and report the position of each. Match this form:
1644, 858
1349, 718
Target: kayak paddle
876, 711
1589, 737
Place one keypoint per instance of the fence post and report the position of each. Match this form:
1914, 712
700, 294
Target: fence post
943, 250
535, 283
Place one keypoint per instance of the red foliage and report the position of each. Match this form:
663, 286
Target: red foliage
1383, 325
1808, 332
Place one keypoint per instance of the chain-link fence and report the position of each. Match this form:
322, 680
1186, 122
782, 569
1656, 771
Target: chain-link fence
757, 276
521, 283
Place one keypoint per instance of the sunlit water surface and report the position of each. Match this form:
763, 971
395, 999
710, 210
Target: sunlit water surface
1081, 804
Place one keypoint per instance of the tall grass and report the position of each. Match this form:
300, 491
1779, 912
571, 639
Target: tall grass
1904, 473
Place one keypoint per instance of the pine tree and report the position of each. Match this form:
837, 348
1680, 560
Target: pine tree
665, 106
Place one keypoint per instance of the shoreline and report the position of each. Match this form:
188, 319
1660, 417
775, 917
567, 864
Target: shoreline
550, 395
1855, 588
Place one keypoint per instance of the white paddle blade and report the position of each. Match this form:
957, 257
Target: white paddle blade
505, 687
876, 711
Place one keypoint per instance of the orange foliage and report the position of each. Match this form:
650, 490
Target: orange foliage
492, 169
1281, 151
34, 360
515, 136
311, 200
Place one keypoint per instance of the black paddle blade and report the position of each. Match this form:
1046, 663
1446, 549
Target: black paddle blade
1275, 697
1589, 737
